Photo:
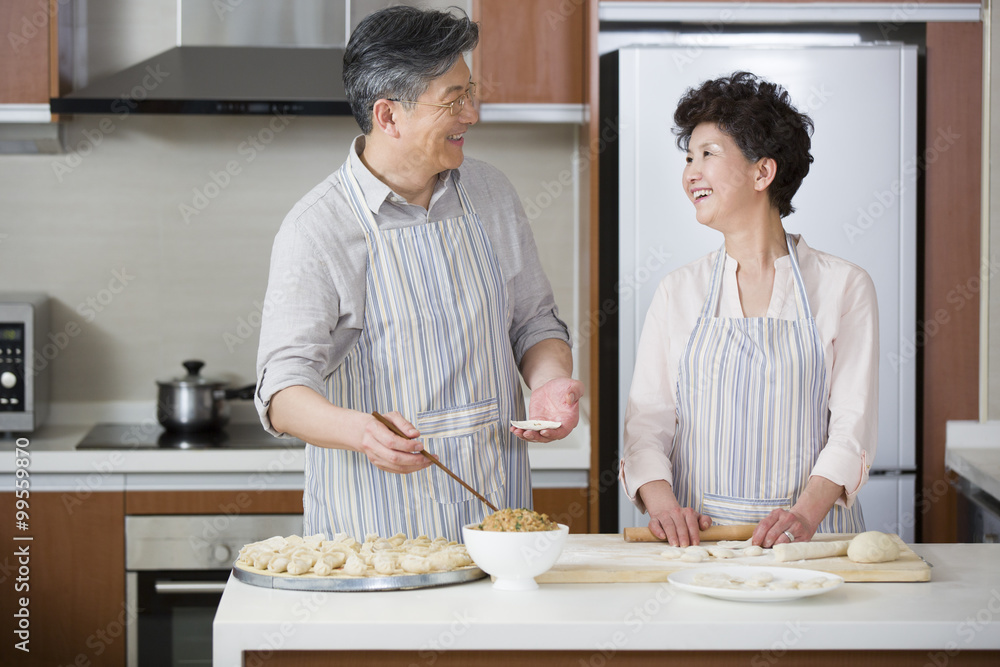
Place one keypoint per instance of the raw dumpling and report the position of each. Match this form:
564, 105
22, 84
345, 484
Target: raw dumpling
332, 560
262, 559
298, 566
322, 569
415, 564
385, 562
448, 560
278, 564
355, 566
307, 555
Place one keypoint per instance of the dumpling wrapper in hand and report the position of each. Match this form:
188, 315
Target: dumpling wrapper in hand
534, 424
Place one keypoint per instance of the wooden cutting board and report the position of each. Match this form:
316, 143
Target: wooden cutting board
609, 559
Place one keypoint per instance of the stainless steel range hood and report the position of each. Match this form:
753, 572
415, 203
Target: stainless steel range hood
247, 57
220, 80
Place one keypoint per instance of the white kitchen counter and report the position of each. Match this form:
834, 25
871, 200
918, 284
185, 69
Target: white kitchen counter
56, 465
972, 449
958, 610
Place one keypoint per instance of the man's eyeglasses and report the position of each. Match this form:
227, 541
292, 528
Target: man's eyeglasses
454, 107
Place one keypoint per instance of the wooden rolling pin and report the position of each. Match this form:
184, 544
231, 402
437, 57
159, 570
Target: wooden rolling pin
737, 531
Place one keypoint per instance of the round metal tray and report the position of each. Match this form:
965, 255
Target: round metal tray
304, 582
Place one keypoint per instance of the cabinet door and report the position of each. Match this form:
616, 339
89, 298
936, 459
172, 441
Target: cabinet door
530, 51
28, 28
569, 506
72, 578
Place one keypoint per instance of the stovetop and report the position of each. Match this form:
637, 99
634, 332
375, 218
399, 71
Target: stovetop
149, 435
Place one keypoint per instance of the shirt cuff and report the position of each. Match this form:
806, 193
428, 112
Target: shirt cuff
555, 328
848, 469
642, 467
267, 388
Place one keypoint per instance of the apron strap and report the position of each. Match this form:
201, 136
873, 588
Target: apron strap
711, 305
362, 213
801, 299
463, 196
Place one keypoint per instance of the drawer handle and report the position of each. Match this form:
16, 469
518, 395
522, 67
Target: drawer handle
189, 587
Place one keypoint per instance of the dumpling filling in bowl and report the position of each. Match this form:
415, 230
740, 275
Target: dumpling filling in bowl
516, 521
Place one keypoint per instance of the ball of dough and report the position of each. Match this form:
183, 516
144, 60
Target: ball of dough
873, 547
753, 550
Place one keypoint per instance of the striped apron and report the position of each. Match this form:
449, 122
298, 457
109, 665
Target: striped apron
752, 412
435, 347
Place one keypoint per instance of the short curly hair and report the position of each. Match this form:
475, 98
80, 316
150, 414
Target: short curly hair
760, 118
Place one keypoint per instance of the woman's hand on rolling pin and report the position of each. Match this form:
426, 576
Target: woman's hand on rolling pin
799, 523
667, 519
782, 526
387, 451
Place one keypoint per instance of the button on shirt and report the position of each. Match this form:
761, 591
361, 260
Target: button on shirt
842, 297
315, 303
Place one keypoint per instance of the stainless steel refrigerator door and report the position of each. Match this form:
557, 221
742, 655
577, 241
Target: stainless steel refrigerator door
858, 201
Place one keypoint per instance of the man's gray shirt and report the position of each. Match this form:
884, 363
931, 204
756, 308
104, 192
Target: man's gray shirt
315, 303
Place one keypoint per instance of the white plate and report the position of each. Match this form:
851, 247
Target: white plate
684, 579
535, 424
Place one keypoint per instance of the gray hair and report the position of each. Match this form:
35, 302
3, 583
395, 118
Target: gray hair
396, 52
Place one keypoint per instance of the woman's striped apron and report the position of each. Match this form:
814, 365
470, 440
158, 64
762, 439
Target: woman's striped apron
752, 412
435, 347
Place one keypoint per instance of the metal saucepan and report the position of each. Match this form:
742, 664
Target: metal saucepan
193, 403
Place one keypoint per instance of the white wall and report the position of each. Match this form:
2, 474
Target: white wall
103, 224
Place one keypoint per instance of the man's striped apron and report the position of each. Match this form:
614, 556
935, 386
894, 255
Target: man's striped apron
435, 347
752, 412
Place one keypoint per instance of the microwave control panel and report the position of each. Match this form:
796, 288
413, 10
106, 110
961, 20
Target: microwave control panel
12, 367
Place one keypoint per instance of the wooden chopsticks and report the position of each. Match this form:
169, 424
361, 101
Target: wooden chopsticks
434, 459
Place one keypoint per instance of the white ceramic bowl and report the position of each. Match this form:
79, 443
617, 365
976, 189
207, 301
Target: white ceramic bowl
515, 559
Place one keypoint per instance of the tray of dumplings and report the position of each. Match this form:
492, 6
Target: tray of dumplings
314, 563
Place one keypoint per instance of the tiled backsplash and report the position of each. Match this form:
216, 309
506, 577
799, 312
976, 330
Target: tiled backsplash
153, 234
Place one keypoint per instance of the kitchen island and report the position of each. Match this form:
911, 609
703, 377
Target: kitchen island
952, 620
98, 508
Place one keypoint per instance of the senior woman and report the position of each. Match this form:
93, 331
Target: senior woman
754, 396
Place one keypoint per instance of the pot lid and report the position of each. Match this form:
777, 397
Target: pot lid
193, 377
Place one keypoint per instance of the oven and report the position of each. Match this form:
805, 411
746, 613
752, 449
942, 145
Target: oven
176, 569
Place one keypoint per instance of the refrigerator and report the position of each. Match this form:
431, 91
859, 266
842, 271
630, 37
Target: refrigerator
858, 202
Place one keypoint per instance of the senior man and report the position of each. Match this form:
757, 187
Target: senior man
408, 283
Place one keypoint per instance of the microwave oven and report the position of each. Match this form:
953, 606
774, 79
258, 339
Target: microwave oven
25, 361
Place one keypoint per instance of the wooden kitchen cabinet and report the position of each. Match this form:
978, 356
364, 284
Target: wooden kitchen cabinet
75, 578
530, 51
249, 501
570, 506
29, 63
